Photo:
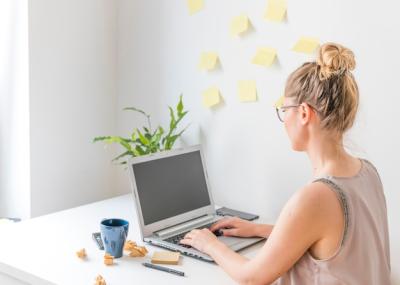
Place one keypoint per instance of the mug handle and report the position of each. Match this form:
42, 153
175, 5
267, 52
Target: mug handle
126, 228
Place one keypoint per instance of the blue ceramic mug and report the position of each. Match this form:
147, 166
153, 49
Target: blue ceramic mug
113, 234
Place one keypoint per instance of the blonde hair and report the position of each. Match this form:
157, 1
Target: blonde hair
328, 86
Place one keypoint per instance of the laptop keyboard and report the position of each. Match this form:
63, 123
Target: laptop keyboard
175, 239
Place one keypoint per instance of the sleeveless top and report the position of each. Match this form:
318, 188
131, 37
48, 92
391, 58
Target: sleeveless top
363, 257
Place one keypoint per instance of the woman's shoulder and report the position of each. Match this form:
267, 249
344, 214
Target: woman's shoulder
372, 169
369, 164
317, 191
317, 198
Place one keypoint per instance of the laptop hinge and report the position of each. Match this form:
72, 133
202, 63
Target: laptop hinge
184, 226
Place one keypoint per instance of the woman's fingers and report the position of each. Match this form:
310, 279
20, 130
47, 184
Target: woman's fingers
224, 223
188, 238
186, 241
230, 232
190, 234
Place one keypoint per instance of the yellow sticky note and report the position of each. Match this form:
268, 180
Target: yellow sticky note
247, 90
211, 97
306, 45
265, 56
239, 24
279, 102
195, 6
208, 60
276, 10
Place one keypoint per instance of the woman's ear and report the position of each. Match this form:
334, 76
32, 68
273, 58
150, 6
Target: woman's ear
305, 113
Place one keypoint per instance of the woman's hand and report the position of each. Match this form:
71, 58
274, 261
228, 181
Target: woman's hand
234, 226
202, 240
205, 239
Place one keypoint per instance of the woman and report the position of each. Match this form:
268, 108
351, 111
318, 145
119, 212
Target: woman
333, 230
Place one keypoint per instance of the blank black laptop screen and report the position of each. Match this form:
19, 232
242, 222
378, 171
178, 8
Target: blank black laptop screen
171, 186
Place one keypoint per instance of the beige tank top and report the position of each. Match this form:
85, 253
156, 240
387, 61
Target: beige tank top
363, 257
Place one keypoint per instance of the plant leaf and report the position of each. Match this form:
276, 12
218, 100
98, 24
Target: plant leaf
177, 122
170, 141
110, 139
181, 117
142, 138
97, 139
142, 112
136, 110
135, 152
139, 149
122, 155
179, 107
125, 145
173, 120
156, 139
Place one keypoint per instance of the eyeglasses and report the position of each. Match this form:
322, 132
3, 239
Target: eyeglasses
280, 111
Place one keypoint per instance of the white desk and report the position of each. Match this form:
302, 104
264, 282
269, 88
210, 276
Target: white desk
42, 251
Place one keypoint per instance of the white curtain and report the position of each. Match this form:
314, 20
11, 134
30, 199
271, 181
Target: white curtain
14, 110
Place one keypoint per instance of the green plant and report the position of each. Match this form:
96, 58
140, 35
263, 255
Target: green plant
148, 141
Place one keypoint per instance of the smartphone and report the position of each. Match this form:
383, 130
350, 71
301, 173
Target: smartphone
235, 213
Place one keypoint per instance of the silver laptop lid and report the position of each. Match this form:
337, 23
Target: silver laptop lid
169, 188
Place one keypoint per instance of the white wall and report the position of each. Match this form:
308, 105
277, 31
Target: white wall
250, 162
14, 110
72, 48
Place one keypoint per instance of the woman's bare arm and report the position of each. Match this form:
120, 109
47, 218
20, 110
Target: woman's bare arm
302, 222
234, 226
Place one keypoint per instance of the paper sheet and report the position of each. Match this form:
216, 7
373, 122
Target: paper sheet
247, 91
195, 6
211, 97
208, 60
306, 45
239, 24
265, 56
276, 10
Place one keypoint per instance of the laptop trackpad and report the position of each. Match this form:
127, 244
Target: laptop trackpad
230, 241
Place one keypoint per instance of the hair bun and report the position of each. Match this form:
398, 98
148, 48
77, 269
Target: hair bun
334, 59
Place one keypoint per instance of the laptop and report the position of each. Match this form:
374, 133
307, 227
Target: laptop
172, 196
